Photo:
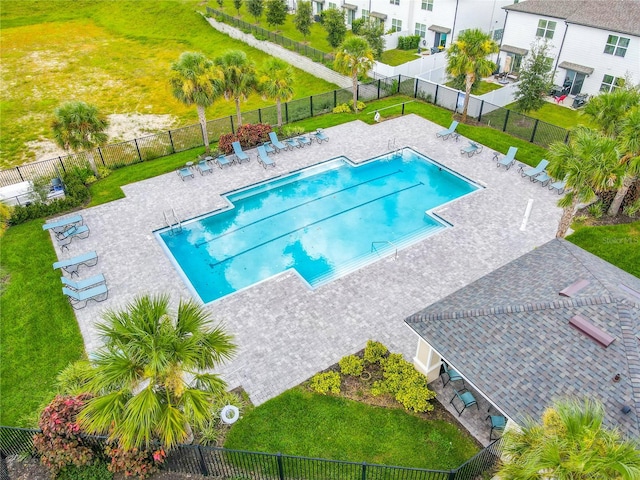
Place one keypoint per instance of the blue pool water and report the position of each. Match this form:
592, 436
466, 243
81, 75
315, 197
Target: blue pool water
323, 221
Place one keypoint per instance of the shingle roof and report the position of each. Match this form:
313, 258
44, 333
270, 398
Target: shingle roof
508, 333
621, 16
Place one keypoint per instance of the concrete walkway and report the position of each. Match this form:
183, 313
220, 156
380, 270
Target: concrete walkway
275, 50
285, 331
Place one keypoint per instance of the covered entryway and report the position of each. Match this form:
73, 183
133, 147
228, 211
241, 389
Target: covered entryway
440, 37
575, 76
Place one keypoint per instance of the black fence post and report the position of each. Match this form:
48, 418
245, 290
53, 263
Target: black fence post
280, 466
101, 157
533, 133
20, 173
286, 112
452, 474
399, 80
480, 113
233, 130
364, 471
402, 108
358, 92
335, 98
378, 89
435, 96
203, 465
135, 140
173, 148
506, 119
62, 165
566, 138
311, 104
415, 89
259, 115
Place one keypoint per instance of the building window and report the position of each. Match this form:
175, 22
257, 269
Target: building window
365, 14
497, 34
332, 5
610, 83
421, 30
396, 25
616, 45
395, 2
427, 5
545, 29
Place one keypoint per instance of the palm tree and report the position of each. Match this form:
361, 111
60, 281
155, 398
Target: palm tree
238, 77
276, 82
569, 443
195, 81
589, 164
79, 126
354, 58
149, 378
467, 56
608, 109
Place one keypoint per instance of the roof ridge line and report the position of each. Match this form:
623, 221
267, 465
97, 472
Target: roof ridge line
523, 307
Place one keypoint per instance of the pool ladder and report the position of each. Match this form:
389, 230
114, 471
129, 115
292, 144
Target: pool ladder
385, 242
172, 221
391, 145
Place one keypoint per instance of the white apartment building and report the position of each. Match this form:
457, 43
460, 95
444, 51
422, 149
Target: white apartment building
438, 22
595, 44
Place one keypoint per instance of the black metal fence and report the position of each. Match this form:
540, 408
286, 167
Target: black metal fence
262, 34
173, 141
224, 463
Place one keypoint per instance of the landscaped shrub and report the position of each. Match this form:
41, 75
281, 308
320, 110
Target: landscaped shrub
248, 135
410, 42
342, 108
374, 352
213, 430
632, 209
292, 131
97, 471
60, 444
351, 365
596, 210
135, 462
103, 172
405, 383
356, 25
328, 382
361, 105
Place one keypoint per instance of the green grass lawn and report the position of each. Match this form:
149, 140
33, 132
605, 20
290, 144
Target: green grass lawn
398, 57
307, 424
114, 54
481, 88
556, 115
617, 244
39, 333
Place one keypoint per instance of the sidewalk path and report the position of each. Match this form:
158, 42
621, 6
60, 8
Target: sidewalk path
298, 61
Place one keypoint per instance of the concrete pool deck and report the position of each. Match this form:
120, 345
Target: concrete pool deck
286, 332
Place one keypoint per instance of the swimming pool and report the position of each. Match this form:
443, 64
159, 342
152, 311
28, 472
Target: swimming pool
324, 221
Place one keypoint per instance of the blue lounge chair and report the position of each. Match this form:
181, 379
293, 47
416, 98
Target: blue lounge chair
240, 155
278, 145
71, 265
63, 224
449, 131
508, 160
471, 149
543, 177
83, 284
532, 172
79, 299
558, 186
268, 147
65, 238
264, 158
304, 140
320, 136
203, 167
222, 160
292, 142
184, 172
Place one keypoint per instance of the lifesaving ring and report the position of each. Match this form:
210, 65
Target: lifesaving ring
229, 414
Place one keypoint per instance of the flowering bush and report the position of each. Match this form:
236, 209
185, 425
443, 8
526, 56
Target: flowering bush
60, 444
136, 462
248, 135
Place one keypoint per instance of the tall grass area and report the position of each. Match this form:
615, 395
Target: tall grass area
39, 334
114, 54
308, 424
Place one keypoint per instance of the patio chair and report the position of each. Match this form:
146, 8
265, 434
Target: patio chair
241, 156
560, 99
449, 131
268, 147
292, 143
65, 238
203, 167
71, 265
184, 172
320, 136
471, 149
222, 160
532, 172
508, 160
60, 226
304, 140
83, 284
543, 178
264, 158
278, 145
466, 398
558, 186
498, 422
452, 375
79, 299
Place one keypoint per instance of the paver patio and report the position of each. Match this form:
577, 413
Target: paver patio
285, 331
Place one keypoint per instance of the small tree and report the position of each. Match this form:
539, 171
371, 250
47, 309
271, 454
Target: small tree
276, 82
333, 22
255, 8
276, 12
238, 5
302, 19
536, 78
373, 32
354, 58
